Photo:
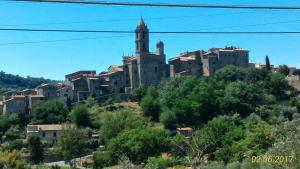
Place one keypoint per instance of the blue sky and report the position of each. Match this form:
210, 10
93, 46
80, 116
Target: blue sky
98, 51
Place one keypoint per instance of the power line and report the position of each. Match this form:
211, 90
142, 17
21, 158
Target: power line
131, 19
93, 2
60, 40
152, 32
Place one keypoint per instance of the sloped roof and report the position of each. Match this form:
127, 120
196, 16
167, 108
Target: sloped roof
49, 127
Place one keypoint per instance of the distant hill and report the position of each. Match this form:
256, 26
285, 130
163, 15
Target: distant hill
10, 82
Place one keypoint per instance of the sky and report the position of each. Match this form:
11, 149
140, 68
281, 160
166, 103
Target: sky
53, 55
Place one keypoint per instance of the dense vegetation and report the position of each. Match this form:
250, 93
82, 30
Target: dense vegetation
237, 114
9, 82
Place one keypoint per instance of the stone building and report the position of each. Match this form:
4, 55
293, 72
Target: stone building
34, 100
188, 63
202, 63
47, 90
83, 84
15, 104
48, 133
144, 68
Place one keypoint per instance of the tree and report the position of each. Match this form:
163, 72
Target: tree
35, 149
69, 103
284, 69
277, 85
115, 122
230, 74
150, 104
90, 102
73, 142
215, 139
268, 65
188, 101
50, 112
139, 93
138, 144
240, 97
12, 160
12, 134
80, 116
13, 145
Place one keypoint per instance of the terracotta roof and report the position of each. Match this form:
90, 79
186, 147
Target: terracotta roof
114, 68
185, 129
48, 127
40, 96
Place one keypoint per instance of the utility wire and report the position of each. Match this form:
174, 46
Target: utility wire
131, 19
93, 2
152, 32
60, 40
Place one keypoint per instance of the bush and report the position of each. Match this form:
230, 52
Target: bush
80, 116
138, 144
115, 122
14, 145
51, 112
157, 163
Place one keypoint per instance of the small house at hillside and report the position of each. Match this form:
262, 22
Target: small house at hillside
47, 133
187, 132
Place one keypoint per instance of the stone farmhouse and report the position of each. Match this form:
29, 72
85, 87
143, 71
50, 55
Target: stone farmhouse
143, 68
48, 132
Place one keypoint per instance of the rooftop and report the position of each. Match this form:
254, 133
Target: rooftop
49, 127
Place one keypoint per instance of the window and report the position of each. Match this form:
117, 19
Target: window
155, 69
54, 134
144, 47
44, 134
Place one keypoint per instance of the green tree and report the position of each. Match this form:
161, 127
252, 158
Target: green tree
51, 112
80, 116
36, 149
277, 85
12, 134
230, 74
90, 102
138, 144
73, 142
268, 65
139, 93
189, 101
150, 104
284, 69
240, 97
115, 122
13, 145
216, 138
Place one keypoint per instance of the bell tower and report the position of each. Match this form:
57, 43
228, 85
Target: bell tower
141, 38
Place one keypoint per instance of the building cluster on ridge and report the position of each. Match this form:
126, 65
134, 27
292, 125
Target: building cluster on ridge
144, 68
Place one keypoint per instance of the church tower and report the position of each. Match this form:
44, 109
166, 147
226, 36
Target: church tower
142, 38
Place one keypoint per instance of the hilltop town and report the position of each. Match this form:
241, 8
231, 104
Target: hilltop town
144, 68
199, 109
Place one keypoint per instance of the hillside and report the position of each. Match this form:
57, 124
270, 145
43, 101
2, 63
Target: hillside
10, 82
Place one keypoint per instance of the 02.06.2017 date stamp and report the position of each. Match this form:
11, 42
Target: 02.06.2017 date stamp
272, 159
